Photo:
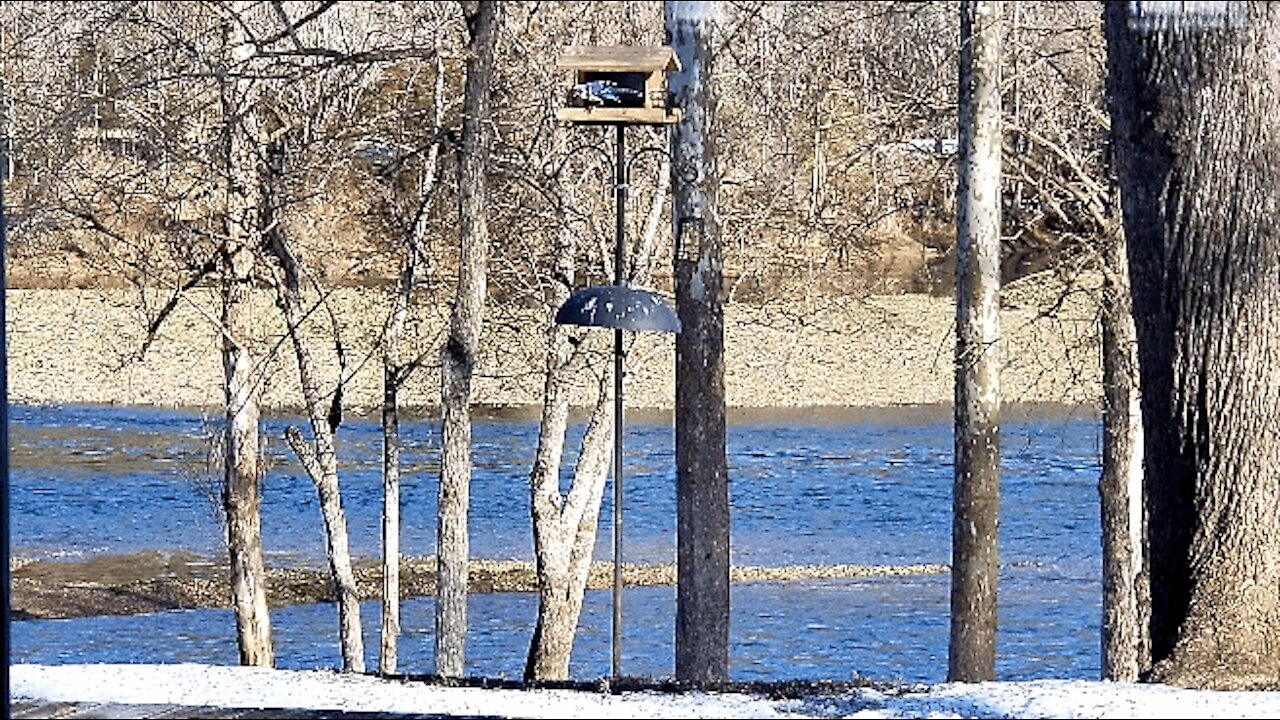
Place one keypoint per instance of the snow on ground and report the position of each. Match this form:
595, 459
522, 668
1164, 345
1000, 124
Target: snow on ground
241, 687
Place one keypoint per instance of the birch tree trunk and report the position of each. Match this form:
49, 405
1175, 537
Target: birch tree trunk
1195, 105
394, 374
975, 523
241, 474
319, 458
1125, 595
458, 356
702, 472
565, 527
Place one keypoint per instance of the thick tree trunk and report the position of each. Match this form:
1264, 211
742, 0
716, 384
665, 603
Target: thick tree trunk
240, 492
1195, 102
975, 523
1125, 596
319, 459
702, 472
457, 358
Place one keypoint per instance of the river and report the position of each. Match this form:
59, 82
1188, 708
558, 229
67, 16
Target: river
867, 487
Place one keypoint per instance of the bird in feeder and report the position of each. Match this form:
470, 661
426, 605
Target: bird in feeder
606, 92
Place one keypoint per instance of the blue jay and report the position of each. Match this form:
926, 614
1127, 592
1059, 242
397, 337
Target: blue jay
606, 92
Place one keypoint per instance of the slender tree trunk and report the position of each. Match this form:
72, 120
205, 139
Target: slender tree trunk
458, 356
702, 473
1125, 595
241, 474
976, 501
319, 459
1195, 106
318, 463
394, 375
390, 633
6, 540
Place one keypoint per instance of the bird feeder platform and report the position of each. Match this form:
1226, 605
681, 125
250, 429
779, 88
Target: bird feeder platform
619, 84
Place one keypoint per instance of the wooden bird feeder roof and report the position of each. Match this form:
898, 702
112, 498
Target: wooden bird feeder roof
619, 58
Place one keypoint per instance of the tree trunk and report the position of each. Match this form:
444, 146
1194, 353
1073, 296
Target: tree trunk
390, 633
240, 492
318, 463
1195, 102
457, 358
565, 527
558, 524
394, 375
976, 501
702, 473
6, 540
319, 459
1125, 596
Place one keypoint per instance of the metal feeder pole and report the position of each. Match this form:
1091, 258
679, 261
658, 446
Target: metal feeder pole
620, 192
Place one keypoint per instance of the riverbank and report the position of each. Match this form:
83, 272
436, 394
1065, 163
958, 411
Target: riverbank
84, 346
153, 582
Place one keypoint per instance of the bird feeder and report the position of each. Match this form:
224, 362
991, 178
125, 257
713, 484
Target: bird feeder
619, 84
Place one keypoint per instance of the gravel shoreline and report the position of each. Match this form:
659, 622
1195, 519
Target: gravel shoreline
153, 582
82, 346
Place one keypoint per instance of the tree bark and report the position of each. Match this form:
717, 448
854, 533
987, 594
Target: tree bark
394, 374
6, 540
1125, 595
1194, 98
319, 459
702, 473
565, 527
241, 473
975, 523
388, 656
459, 353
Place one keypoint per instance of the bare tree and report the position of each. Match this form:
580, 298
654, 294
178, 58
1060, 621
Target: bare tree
564, 526
565, 523
458, 357
318, 458
1194, 104
976, 500
395, 373
243, 233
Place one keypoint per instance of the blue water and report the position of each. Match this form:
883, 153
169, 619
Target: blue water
816, 488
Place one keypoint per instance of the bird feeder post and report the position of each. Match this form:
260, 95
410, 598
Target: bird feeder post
619, 86
619, 275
